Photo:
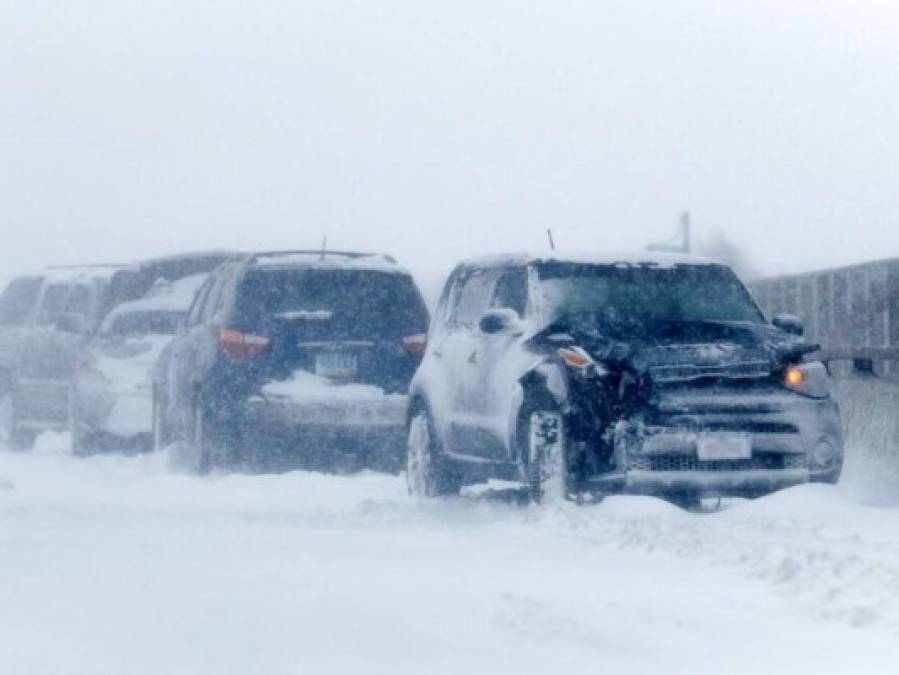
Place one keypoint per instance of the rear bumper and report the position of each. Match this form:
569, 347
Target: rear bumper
334, 423
124, 414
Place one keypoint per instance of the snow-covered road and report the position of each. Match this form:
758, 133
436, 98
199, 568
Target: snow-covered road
116, 565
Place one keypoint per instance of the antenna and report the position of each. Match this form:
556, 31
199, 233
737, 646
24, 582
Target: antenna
324, 246
552, 243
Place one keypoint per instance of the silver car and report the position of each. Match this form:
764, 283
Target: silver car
111, 401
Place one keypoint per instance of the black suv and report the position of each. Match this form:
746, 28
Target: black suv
588, 376
293, 357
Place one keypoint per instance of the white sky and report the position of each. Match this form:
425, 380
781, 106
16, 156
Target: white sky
439, 130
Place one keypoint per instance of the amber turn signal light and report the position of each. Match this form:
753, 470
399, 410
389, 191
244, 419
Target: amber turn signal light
575, 357
795, 377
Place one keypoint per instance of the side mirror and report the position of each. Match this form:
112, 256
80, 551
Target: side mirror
789, 323
501, 322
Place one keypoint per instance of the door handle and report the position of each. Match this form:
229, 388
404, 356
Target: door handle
473, 357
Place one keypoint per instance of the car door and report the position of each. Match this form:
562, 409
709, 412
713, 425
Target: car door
178, 378
497, 371
459, 348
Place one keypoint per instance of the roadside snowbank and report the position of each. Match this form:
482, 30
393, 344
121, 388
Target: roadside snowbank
114, 565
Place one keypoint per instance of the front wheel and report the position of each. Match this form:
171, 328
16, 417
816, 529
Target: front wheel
427, 474
547, 471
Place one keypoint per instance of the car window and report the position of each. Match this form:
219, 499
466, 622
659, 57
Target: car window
512, 290
195, 314
214, 299
472, 297
53, 303
18, 300
138, 324
79, 301
330, 303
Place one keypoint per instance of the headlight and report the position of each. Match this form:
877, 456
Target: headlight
581, 361
809, 379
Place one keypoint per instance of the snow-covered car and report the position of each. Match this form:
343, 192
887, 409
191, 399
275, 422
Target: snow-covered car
111, 399
587, 376
293, 357
45, 319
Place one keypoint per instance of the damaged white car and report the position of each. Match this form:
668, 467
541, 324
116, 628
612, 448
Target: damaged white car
588, 376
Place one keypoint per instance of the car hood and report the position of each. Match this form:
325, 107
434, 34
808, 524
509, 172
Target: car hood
676, 351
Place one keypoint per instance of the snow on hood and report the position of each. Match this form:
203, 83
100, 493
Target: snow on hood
306, 387
699, 348
176, 296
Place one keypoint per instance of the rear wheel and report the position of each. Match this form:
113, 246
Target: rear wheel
11, 434
545, 450
427, 473
161, 436
215, 438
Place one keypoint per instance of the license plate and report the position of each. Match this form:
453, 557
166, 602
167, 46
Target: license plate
714, 447
336, 364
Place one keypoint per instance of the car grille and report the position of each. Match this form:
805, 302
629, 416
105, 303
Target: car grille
684, 373
765, 462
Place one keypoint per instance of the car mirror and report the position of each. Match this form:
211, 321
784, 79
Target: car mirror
503, 321
789, 323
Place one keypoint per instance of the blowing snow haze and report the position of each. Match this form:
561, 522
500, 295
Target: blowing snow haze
129, 129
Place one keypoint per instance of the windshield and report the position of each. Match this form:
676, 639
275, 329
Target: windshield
139, 324
612, 294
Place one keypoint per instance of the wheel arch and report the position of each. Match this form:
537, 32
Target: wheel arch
545, 383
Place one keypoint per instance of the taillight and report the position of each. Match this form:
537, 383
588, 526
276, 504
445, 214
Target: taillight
416, 344
85, 365
236, 346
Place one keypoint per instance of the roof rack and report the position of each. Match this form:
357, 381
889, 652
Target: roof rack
86, 267
323, 254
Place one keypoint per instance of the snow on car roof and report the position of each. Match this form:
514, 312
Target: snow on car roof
375, 262
654, 259
175, 296
73, 273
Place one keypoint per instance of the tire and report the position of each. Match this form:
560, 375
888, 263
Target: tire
544, 450
11, 434
215, 439
686, 500
161, 435
428, 474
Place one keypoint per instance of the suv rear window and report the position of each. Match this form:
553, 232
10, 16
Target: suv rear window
138, 324
348, 303
18, 300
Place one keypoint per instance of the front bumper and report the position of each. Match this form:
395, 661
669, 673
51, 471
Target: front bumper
793, 440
